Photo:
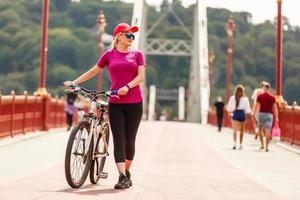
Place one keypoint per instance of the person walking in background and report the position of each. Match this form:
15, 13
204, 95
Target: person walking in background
219, 105
255, 93
266, 108
238, 106
126, 68
70, 108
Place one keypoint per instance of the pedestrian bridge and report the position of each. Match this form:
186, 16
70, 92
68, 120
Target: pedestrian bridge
22, 113
174, 160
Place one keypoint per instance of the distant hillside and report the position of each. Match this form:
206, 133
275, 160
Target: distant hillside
73, 46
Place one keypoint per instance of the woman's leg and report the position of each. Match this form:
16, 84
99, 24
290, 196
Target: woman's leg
234, 127
242, 127
128, 164
133, 116
117, 123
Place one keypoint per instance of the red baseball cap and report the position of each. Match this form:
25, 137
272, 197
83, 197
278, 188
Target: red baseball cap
123, 27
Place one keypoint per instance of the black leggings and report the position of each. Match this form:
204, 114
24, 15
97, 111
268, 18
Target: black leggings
124, 121
69, 119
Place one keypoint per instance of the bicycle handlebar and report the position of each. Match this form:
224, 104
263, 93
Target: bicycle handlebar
94, 93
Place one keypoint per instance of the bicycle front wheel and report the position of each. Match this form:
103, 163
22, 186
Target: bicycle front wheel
77, 162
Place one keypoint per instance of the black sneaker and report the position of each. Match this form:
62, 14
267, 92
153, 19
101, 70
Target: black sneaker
129, 177
123, 182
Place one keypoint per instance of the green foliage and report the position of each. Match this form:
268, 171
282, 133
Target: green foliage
254, 55
9, 16
292, 84
60, 4
72, 46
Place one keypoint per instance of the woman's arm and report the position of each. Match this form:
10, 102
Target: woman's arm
88, 75
84, 77
231, 105
135, 82
248, 108
139, 78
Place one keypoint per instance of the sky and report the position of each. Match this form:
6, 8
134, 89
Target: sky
261, 10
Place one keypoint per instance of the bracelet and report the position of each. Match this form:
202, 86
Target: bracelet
128, 87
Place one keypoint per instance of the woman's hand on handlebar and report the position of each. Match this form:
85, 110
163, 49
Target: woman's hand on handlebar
123, 90
67, 84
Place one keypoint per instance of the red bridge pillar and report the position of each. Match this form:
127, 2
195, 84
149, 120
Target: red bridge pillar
279, 97
43, 58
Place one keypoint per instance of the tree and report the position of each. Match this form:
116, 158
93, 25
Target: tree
60, 5
8, 17
72, 46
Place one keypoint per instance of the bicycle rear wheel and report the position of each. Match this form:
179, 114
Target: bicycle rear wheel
98, 163
77, 163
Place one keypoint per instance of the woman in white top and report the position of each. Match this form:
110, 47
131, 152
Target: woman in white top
238, 107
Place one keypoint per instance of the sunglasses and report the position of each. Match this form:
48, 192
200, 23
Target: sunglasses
130, 36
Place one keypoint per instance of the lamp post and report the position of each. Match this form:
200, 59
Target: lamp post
43, 52
230, 27
101, 25
279, 98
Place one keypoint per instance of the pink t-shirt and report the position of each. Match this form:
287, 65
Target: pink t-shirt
123, 68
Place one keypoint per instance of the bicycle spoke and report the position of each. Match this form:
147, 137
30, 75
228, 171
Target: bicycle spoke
78, 169
77, 157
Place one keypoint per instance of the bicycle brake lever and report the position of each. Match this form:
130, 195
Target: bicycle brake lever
77, 88
112, 93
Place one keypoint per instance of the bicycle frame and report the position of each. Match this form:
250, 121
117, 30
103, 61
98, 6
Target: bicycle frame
93, 126
98, 129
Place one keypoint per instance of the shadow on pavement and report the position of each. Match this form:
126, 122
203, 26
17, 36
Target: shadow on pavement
89, 190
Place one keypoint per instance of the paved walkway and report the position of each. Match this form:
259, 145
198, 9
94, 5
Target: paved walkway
173, 161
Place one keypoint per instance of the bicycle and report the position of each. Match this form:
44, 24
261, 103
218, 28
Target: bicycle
87, 146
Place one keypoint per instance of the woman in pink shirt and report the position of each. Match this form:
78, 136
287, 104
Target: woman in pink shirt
126, 70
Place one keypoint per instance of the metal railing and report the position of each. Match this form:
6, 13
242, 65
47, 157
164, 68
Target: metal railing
289, 122
23, 113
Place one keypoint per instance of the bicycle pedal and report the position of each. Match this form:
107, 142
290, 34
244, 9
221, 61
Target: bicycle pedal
103, 175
